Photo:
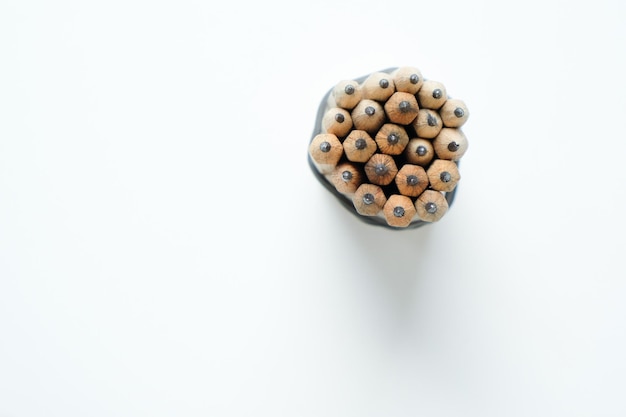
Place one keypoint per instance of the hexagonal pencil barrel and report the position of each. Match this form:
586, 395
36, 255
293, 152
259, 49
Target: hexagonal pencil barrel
378, 86
369, 199
431, 206
337, 121
325, 151
399, 210
381, 169
443, 175
368, 115
450, 143
346, 177
407, 79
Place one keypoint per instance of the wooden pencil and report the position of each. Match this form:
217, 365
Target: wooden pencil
368, 115
399, 210
346, 177
346, 94
401, 108
337, 121
450, 143
412, 180
454, 113
381, 169
407, 79
431, 206
432, 95
391, 139
443, 175
378, 86
419, 152
369, 199
427, 124
325, 151
359, 146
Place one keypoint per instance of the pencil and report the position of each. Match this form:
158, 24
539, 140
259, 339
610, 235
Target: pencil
427, 124
359, 146
419, 152
346, 94
454, 113
450, 143
399, 210
325, 151
381, 169
412, 180
369, 199
337, 121
368, 115
432, 95
407, 79
378, 86
346, 177
443, 175
391, 139
401, 108
431, 206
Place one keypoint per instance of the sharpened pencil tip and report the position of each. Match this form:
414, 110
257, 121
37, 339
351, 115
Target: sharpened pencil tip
325, 147
381, 169
404, 106
458, 112
453, 146
360, 144
339, 118
421, 150
368, 198
346, 175
437, 93
445, 176
414, 78
431, 207
384, 83
412, 180
398, 211
349, 90
369, 110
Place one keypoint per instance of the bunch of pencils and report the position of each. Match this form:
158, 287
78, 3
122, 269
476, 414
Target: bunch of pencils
389, 144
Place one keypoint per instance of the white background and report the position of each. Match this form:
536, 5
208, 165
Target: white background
166, 251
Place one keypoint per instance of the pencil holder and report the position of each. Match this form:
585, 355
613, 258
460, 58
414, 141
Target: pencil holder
388, 144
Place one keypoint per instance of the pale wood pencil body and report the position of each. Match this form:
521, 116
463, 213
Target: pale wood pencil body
369, 199
399, 210
368, 115
325, 150
427, 124
411, 180
431, 206
391, 139
419, 152
407, 79
454, 113
359, 146
443, 175
381, 169
401, 108
450, 143
346, 94
378, 86
432, 95
337, 121
346, 177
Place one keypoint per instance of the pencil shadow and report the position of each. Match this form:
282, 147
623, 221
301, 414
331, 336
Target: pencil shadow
391, 262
